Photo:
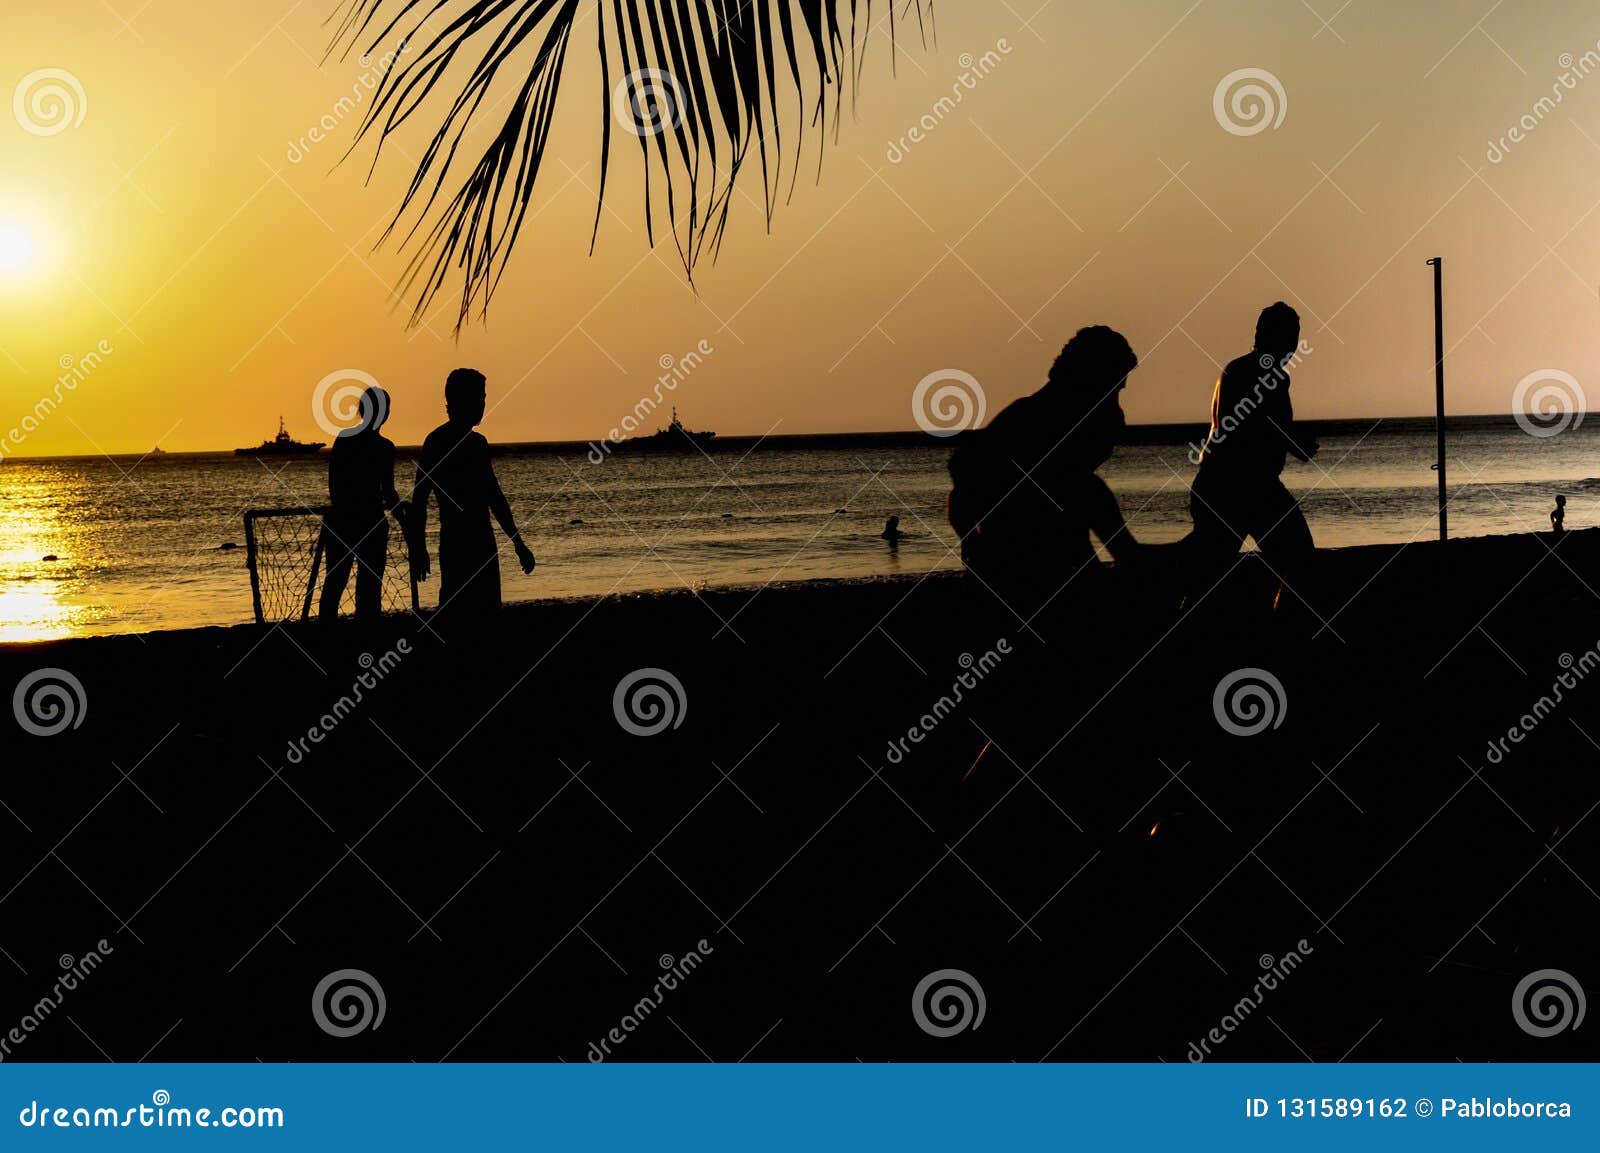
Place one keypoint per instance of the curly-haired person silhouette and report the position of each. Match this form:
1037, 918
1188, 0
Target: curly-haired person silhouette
1025, 501
1026, 495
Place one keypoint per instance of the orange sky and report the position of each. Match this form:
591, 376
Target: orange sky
1087, 178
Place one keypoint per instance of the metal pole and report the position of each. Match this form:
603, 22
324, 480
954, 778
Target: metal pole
1438, 386
250, 562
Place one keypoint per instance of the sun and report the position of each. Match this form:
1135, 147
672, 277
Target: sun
16, 248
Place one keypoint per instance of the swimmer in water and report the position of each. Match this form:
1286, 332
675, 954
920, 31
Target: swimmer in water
891, 531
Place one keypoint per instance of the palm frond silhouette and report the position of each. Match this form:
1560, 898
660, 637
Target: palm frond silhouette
701, 83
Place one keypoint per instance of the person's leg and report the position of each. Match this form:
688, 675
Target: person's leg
1284, 537
372, 551
340, 557
469, 574
1213, 544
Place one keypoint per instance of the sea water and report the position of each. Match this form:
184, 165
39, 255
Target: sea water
137, 541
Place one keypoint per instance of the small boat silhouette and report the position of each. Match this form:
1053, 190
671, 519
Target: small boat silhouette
674, 438
281, 445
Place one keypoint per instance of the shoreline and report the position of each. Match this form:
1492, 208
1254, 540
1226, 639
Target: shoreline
668, 598
1333, 559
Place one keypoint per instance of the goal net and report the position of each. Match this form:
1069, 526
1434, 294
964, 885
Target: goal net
286, 550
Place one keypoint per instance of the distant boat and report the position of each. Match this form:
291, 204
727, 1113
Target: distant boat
281, 445
674, 438
158, 451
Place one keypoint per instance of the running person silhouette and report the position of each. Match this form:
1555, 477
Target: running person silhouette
1238, 492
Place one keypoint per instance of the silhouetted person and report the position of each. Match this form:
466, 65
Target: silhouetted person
1024, 503
362, 493
455, 467
1237, 492
1026, 496
1558, 516
891, 531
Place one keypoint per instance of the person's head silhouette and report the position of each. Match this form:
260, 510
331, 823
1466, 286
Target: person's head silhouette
1087, 380
1097, 358
374, 408
464, 396
1278, 331
374, 411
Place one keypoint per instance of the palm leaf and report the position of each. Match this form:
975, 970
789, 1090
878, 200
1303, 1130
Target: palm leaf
702, 82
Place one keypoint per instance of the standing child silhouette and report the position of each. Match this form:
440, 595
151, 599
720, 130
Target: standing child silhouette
455, 467
361, 491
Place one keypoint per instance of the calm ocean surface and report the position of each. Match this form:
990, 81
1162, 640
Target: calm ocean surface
136, 541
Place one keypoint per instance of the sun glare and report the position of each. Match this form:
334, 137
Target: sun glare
16, 248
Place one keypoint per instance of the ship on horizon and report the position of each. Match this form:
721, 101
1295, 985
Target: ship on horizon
281, 445
674, 438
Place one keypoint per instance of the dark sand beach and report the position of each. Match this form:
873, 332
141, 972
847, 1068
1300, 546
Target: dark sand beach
481, 834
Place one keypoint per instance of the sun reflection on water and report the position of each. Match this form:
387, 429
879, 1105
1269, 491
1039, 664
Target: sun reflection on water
40, 599
38, 614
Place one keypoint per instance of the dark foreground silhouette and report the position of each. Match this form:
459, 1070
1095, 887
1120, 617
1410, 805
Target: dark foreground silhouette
1237, 494
481, 834
454, 467
1025, 495
361, 495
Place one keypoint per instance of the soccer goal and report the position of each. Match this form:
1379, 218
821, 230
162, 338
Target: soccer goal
286, 552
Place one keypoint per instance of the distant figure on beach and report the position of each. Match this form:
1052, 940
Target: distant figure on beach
1026, 496
891, 531
1558, 516
362, 494
1238, 492
455, 467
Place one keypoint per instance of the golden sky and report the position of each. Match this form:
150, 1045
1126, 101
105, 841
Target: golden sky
180, 215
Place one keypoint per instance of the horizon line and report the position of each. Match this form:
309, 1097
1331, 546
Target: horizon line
908, 434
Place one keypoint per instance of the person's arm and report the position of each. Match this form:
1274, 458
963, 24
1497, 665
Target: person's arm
1106, 522
960, 504
391, 497
336, 484
1299, 445
417, 517
501, 508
